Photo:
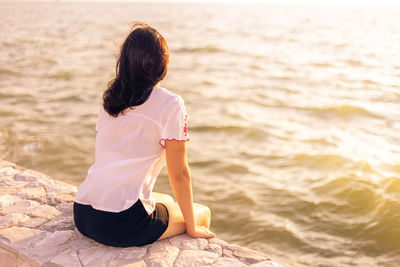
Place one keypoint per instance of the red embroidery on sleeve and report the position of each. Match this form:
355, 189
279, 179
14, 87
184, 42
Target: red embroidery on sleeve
185, 126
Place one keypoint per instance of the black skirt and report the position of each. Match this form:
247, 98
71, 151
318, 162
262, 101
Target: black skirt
131, 227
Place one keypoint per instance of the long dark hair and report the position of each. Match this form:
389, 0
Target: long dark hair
142, 63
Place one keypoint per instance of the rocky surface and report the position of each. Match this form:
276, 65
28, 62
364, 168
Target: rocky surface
36, 229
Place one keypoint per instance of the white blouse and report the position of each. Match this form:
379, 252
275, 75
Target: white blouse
129, 152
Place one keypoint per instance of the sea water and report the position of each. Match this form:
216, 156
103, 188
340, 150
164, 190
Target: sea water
293, 114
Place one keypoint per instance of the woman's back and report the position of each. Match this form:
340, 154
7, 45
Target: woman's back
129, 152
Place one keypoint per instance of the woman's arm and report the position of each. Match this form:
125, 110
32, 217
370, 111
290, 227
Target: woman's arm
180, 179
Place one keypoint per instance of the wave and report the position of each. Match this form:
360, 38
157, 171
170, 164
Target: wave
361, 194
321, 64
344, 110
208, 82
339, 216
202, 49
293, 218
47, 61
231, 129
353, 62
233, 168
341, 110
4, 71
370, 82
240, 197
64, 75
330, 162
356, 208
204, 163
281, 77
67, 98
392, 185
320, 161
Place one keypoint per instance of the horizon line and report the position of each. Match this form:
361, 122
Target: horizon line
306, 2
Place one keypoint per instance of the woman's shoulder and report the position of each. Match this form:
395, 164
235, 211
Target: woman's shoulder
166, 96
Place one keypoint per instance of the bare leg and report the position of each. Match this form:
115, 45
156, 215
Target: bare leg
162, 198
202, 214
176, 223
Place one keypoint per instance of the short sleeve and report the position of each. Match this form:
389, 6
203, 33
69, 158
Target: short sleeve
175, 126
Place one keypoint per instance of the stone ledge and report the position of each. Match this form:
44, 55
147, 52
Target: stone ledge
36, 229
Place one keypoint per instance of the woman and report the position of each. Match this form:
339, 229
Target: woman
139, 127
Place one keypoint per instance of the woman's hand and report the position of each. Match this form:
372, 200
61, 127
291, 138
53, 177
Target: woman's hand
201, 231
